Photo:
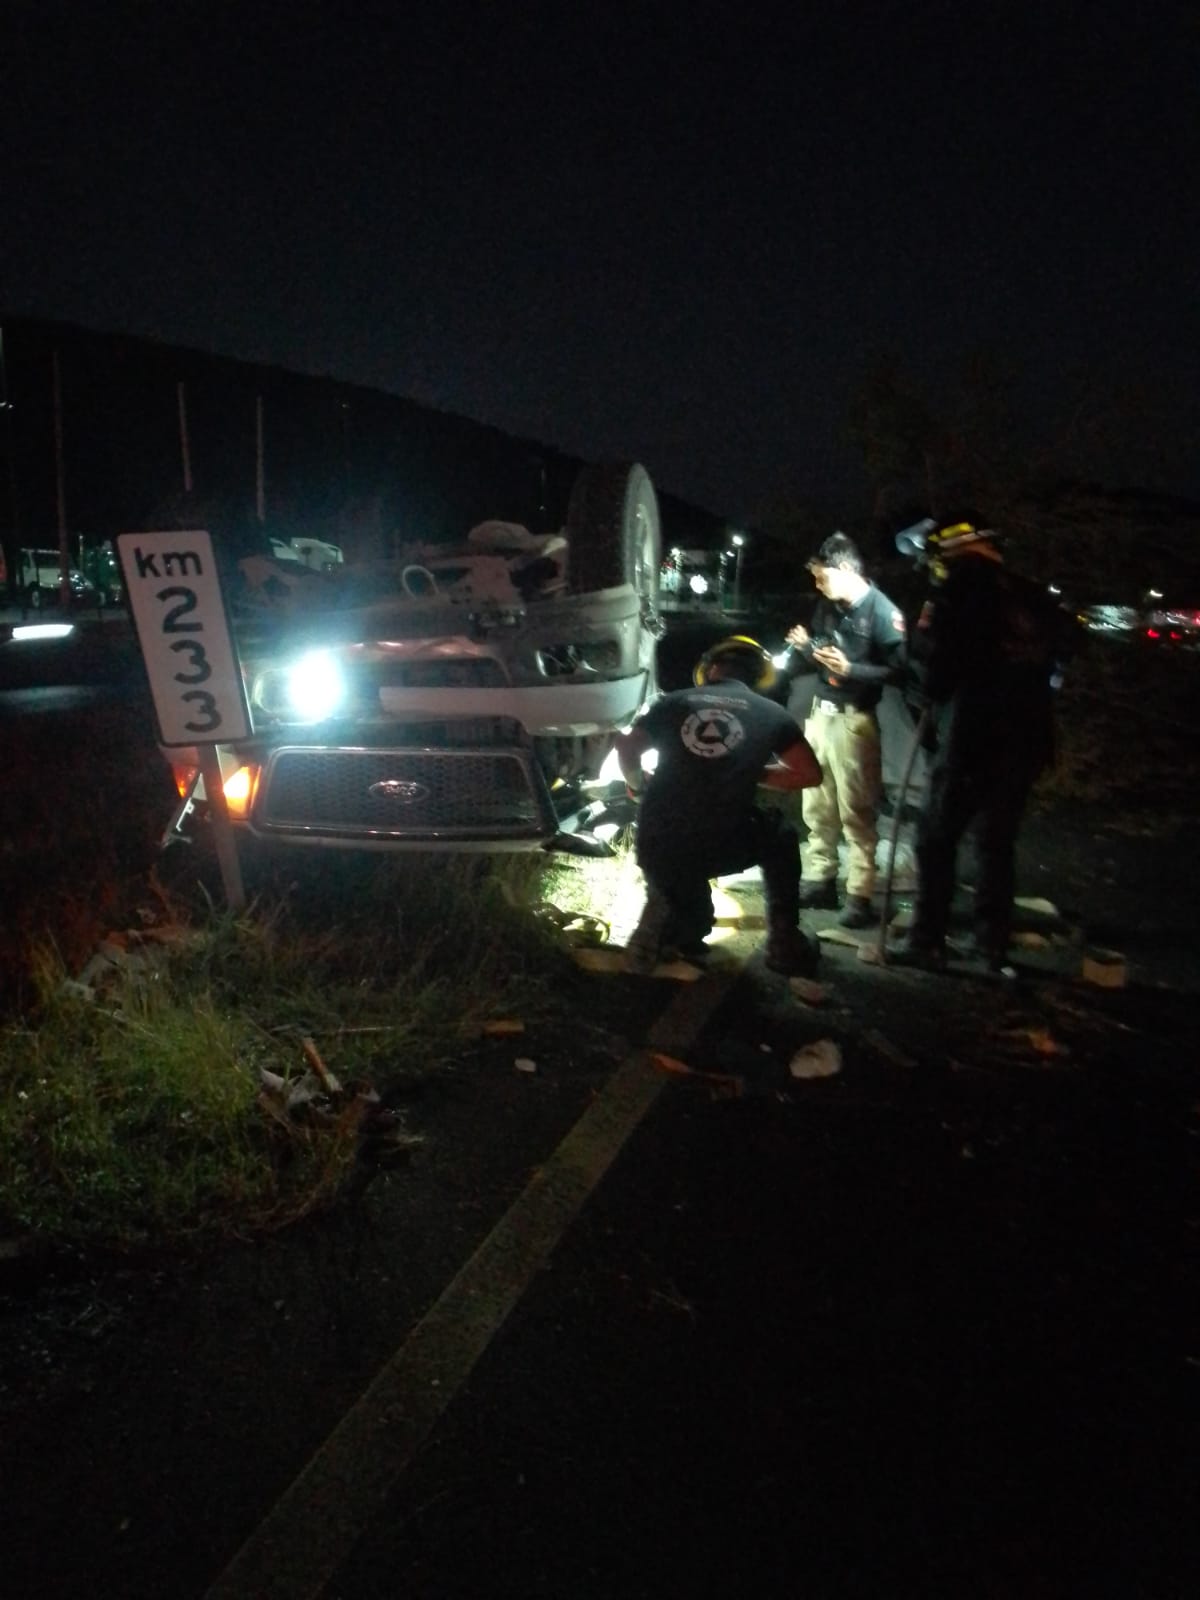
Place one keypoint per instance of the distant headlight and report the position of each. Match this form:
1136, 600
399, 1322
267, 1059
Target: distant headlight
43, 630
315, 686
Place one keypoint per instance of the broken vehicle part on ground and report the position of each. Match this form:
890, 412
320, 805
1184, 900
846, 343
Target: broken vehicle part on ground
459, 697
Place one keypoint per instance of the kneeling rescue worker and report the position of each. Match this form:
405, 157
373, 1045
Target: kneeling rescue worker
716, 743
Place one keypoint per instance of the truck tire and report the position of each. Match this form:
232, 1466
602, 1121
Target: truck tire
613, 531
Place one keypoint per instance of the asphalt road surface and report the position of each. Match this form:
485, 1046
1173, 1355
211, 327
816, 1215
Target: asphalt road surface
923, 1326
97, 663
918, 1327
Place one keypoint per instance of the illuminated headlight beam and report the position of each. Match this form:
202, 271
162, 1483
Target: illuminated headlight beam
43, 630
610, 769
316, 686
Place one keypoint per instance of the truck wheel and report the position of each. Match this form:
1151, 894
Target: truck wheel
613, 531
33, 597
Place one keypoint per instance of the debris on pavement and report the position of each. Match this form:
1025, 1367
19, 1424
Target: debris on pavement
502, 1028
613, 959
313, 1056
885, 1048
138, 954
1104, 968
277, 1091
317, 1099
730, 1085
578, 928
137, 947
1039, 907
820, 1060
525, 1064
73, 989
809, 990
1039, 1040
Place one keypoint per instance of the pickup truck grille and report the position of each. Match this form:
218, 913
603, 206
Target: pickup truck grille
421, 794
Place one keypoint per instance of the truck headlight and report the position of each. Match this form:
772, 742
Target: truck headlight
315, 686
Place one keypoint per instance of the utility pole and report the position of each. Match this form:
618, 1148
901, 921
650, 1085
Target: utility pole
9, 543
60, 490
185, 450
260, 489
738, 541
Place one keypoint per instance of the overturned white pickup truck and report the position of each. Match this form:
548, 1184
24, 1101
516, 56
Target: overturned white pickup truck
453, 698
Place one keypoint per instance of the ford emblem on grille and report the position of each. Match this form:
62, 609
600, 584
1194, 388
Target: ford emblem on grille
403, 789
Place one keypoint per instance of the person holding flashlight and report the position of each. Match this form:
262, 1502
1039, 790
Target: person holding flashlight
856, 645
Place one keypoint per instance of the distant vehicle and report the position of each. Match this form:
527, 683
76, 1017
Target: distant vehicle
460, 697
315, 553
690, 578
1178, 626
102, 569
39, 581
1121, 620
1174, 625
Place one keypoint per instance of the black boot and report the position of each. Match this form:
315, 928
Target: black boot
819, 894
790, 950
856, 912
920, 951
644, 947
991, 948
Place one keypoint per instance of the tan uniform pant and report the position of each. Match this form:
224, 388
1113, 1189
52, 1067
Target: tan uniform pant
847, 801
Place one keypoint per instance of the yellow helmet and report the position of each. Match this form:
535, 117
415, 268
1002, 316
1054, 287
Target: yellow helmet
743, 658
933, 542
954, 536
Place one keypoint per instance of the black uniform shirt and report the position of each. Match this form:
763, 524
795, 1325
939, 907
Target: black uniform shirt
712, 744
871, 634
985, 650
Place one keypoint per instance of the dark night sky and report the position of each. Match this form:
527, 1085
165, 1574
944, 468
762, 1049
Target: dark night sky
679, 233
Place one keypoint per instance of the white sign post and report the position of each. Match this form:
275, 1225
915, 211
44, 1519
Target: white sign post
178, 610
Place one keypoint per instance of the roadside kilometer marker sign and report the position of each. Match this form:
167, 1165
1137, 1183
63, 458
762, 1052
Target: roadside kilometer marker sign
175, 600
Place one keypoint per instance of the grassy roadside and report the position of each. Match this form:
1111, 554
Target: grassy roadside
220, 1075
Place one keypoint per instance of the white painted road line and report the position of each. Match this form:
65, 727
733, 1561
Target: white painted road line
310, 1530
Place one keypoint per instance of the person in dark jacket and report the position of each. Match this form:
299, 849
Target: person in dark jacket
984, 654
698, 819
856, 644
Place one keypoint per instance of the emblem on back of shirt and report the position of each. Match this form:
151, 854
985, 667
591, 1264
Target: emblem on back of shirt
712, 733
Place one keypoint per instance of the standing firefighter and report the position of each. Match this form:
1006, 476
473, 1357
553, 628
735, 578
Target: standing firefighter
985, 654
698, 818
856, 645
